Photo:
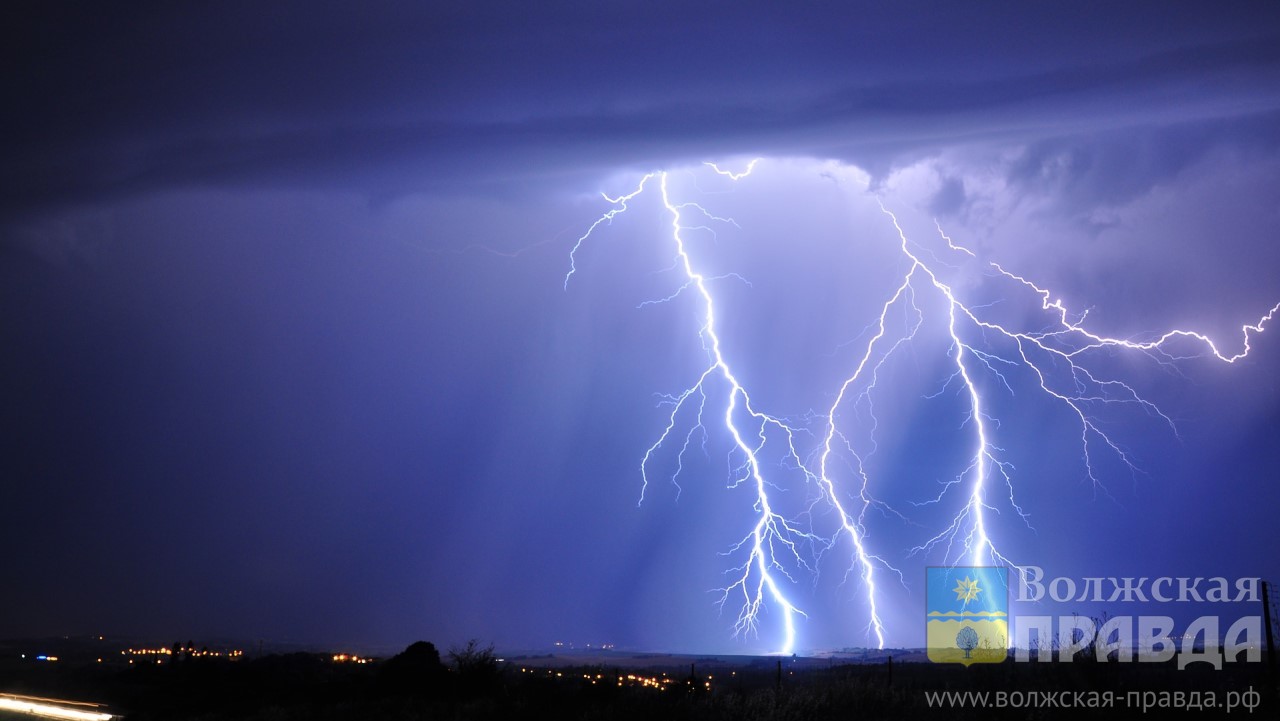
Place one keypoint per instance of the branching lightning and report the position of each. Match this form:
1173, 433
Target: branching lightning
1058, 359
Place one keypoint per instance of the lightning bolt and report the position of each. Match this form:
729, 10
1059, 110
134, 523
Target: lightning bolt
1057, 358
732, 175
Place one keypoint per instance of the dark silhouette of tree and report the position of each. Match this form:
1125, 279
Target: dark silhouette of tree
416, 670
476, 668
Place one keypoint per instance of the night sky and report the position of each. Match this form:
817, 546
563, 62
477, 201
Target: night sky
288, 351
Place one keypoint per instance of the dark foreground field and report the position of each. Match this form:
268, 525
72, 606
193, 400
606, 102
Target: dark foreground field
473, 684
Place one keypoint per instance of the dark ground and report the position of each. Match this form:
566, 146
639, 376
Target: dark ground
471, 683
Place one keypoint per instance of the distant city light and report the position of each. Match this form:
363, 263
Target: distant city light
660, 683
190, 652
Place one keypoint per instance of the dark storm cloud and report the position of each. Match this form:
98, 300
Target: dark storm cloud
1116, 166
108, 101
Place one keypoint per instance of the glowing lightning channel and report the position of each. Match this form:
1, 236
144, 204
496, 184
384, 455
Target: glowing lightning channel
1064, 345
606, 219
1055, 359
773, 540
975, 541
731, 175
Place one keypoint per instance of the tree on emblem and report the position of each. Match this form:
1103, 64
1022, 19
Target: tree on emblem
967, 640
